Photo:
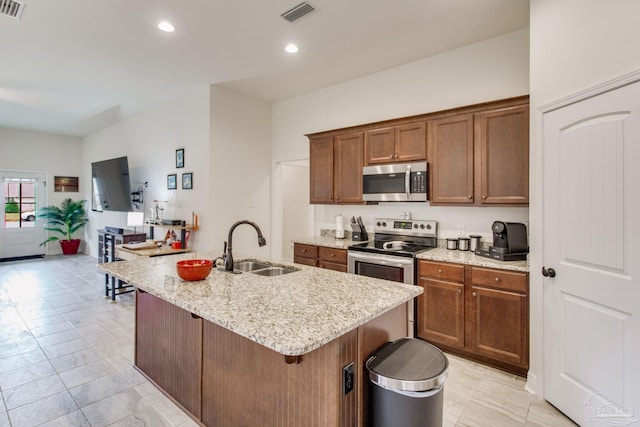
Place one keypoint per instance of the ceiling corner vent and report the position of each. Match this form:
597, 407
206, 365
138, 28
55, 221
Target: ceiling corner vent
11, 8
296, 12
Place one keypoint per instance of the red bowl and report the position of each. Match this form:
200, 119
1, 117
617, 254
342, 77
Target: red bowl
194, 269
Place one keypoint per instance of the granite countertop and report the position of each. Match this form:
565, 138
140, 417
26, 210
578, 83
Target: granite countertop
327, 241
292, 314
470, 258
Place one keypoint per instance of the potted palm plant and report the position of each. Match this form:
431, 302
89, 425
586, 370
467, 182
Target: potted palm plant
65, 220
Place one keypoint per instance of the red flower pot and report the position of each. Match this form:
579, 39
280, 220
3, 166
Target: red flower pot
70, 247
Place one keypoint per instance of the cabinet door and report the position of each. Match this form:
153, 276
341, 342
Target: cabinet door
504, 144
441, 312
348, 152
380, 146
450, 157
168, 348
321, 170
499, 325
411, 142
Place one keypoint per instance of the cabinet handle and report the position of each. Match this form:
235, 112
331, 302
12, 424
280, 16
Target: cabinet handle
333, 254
469, 197
439, 271
484, 197
304, 251
497, 279
459, 291
474, 294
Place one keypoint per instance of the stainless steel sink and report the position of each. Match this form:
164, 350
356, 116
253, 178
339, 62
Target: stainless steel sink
250, 265
274, 271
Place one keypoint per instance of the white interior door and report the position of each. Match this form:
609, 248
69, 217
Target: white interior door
21, 194
591, 166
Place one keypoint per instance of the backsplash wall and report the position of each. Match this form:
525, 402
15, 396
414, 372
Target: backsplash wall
452, 221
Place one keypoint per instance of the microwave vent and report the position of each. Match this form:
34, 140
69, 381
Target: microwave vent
298, 11
11, 8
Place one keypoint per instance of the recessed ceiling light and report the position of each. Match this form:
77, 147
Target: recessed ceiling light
166, 27
291, 48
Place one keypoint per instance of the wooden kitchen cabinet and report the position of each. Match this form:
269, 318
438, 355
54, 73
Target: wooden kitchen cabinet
336, 168
441, 305
477, 312
451, 160
396, 144
168, 349
332, 259
320, 256
502, 137
480, 159
499, 315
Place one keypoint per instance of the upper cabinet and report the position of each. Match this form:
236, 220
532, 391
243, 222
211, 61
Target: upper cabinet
503, 140
480, 158
477, 155
336, 168
396, 144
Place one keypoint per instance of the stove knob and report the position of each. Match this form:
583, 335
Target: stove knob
415, 225
384, 224
422, 226
378, 223
428, 226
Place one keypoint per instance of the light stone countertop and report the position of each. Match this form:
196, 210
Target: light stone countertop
327, 241
292, 314
470, 258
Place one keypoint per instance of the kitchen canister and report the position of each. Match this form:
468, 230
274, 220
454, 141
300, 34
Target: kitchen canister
463, 243
452, 244
474, 243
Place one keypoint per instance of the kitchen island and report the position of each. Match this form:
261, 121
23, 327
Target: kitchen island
244, 349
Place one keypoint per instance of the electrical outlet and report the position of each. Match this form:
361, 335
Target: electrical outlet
347, 379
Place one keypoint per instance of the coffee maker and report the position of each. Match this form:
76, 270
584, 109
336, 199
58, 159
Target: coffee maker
509, 242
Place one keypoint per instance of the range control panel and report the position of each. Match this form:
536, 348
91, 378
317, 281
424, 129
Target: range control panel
407, 227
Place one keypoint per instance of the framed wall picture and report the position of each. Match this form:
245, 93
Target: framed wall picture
180, 158
172, 181
187, 181
65, 184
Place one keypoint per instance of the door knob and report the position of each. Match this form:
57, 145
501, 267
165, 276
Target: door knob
548, 272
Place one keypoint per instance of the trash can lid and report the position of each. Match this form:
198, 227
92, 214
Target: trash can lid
408, 364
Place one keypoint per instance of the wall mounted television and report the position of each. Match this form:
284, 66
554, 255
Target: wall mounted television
111, 185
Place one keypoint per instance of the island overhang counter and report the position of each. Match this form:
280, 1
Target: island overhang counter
243, 349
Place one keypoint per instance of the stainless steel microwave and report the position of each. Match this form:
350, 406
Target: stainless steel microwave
399, 182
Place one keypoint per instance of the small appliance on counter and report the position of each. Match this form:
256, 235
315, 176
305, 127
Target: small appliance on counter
359, 232
509, 242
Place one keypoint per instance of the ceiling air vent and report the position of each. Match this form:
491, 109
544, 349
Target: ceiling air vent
297, 11
11, 8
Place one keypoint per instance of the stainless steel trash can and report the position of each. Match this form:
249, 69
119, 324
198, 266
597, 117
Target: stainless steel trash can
406, 384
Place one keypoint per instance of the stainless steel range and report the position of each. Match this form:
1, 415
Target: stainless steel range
392, 253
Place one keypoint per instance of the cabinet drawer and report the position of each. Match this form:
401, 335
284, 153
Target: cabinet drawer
443, 271
307, 251
312, 262
333, 266
338, 256
500, 279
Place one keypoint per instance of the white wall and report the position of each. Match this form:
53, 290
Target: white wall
493, 69
149, 140
40, 152
240, 170
575, 44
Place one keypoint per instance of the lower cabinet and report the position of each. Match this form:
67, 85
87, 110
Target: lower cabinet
320, 256
478, 312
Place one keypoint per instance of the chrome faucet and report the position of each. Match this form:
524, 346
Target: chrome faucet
228, 256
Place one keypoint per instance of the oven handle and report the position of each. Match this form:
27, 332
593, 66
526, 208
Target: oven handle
381, 259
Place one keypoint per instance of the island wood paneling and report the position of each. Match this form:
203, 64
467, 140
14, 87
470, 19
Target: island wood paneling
169, 349
246, 384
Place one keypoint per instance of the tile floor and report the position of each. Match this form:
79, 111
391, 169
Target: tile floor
66, 360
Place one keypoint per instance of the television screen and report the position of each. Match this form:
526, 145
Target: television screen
110, 184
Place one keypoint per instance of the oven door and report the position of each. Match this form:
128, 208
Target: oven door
380, 266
